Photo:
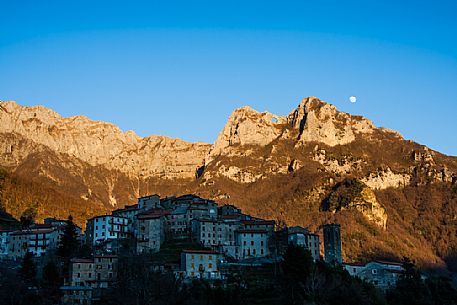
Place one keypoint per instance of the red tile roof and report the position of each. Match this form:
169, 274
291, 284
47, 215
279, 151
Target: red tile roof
200, 251
258, 222
26, 232
251, 231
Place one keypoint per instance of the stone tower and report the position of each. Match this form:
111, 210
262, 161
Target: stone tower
332, 244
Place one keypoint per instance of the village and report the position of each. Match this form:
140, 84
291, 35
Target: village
211, 239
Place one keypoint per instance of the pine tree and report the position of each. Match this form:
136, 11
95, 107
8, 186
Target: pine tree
28, 268
69, 244
51, 276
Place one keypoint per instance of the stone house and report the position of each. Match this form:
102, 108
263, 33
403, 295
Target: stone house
150, 230
38, 240
251, 243
382, 274
301, 237
200, 264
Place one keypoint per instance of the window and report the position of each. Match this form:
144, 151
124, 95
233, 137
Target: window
79, 275
210, 257
253, 251
374, 271
90, 275
261, 243
192, 266
261, 251
252, 243
244, 243
210, 266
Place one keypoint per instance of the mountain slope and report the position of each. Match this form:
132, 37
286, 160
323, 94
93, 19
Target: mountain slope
277, 167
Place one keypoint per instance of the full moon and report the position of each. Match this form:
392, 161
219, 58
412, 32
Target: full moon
352, 99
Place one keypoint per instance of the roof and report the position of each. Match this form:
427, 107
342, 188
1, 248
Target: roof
82, 260
106, 256
360, 264
258, 222
149, 196
236, 216
75, 288
206, 220
251, 231
106, 215
388, 262
127, 208
356, 264
26, 232
153, 213
199, 251
196, 208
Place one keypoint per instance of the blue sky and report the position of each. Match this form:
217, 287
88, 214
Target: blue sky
180, 68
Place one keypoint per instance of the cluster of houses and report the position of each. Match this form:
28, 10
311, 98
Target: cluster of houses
224, 233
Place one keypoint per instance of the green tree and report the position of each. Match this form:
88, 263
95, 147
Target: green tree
51, 276
28, 218
297, 263
51, 283
28, 268
69, 244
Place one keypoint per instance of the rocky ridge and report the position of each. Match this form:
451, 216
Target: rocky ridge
280, 167
100, 143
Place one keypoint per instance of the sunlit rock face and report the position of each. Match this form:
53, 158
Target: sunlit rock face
356, 195
100, 143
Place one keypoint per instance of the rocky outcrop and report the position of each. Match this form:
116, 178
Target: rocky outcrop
340, 165
247, 127
383, 179
318, 121
354, 194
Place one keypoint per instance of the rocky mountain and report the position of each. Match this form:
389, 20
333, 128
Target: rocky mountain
392, 196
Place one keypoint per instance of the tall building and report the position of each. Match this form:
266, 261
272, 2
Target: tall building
332, 244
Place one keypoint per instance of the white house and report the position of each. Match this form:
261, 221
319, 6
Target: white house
4, 241
251, 243
216, 234
106, 227
301, 237
384, 275
36, 240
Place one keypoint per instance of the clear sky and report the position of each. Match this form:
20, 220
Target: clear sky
180, 68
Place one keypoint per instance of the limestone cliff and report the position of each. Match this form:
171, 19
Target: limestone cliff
99, 143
